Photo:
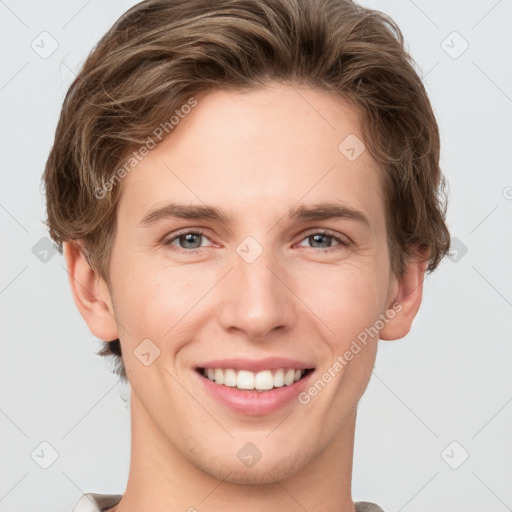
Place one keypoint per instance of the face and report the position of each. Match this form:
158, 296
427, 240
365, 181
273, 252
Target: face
224, 259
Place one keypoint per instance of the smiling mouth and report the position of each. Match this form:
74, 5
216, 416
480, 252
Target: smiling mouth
245, 380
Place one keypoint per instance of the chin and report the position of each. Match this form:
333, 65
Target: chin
263, 472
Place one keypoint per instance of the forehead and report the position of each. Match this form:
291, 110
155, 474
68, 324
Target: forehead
259, 151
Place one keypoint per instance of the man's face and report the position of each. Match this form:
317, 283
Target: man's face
258, 284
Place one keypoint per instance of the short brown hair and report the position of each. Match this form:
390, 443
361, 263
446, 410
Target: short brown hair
162, 52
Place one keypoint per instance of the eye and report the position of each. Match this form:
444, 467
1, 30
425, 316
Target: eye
188, 241
324, 239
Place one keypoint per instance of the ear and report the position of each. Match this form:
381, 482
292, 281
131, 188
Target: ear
90, 293
408, 291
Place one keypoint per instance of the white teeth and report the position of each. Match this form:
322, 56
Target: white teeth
230, 378
289, 377
264, 380
244, 380
219, 376
261, 381
279, 378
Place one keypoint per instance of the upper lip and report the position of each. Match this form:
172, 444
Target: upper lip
255, 365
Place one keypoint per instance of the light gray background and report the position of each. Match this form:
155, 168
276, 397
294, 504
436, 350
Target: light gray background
448, 380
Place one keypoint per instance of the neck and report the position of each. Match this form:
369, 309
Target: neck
162, 479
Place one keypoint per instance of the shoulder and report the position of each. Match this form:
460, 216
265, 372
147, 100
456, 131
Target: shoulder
93, 502
366, 506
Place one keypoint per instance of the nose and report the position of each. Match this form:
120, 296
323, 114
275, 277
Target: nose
257, 298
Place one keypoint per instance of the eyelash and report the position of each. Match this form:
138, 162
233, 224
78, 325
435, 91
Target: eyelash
342, 243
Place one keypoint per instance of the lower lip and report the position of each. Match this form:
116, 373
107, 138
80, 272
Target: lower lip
255, 403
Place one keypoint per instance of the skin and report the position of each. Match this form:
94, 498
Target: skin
256, 155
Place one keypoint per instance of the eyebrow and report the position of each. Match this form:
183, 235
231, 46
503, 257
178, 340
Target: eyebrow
313, 212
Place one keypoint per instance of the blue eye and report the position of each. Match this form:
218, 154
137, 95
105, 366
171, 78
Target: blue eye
185, 238
323, 237
190, 241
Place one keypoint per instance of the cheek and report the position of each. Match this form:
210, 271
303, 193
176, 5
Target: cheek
346, 300
157, 301
146, 302
154, 297
350, 306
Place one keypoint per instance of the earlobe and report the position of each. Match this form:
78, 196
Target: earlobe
90, 293
407, 301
